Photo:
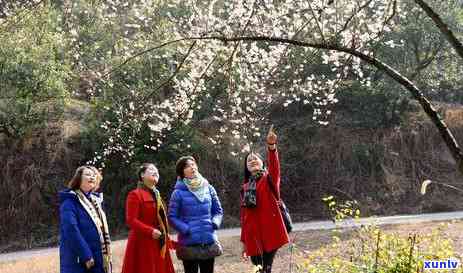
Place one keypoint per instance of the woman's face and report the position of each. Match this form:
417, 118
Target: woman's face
151, 175
98, 178
254, 163
88, 180
191, 169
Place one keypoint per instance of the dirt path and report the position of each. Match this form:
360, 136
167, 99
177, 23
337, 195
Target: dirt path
314, 225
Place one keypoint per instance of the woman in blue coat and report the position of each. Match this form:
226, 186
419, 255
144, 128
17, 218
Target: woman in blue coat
195, 212
84, 235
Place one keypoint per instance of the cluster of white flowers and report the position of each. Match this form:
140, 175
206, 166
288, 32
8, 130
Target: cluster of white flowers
130, 122
259, 73
253, 73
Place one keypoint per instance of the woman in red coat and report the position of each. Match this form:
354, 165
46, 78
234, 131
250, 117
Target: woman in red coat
148, 244
263, 231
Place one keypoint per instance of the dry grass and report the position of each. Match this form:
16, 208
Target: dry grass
305, 243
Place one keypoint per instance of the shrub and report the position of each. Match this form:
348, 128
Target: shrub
375, 250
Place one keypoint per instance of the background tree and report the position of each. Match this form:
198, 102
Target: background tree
115, 84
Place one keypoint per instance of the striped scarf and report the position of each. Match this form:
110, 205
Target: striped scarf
93, 207
161, 216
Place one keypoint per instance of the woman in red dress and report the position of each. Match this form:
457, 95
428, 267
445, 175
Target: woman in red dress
263, 231
148, 244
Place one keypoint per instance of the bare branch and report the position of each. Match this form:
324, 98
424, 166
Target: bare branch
230, 59
443, 27
346, 24
140, 54
318, 25
173, 74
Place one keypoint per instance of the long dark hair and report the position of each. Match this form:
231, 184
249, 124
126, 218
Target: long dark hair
247, 173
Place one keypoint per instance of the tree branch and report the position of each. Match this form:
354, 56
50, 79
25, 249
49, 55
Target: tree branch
444, 131
443, 27
140, 54
346, 24
173, 74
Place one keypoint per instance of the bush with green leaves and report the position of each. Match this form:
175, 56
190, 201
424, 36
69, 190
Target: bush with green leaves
33, 75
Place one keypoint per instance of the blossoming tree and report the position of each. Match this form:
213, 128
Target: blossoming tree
236, 57
259, 53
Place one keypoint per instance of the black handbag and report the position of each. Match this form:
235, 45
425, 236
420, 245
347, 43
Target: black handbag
199, 251
281, 205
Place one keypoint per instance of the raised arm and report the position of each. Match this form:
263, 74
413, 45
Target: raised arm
274, 168
273, 161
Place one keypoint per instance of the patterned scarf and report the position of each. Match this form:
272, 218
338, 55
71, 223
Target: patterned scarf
198, 186
254, 178
161, 216
250, 197
93, 207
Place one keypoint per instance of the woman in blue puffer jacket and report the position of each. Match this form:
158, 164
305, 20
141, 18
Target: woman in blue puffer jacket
84, 234
195, 212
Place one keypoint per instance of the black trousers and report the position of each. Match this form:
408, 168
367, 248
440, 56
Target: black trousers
265, 261
205, 266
